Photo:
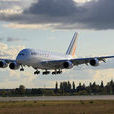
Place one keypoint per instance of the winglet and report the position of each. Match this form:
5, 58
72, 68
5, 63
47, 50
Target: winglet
72, 47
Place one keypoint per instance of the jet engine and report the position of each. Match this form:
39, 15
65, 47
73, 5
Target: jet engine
94, 62
14, 66
3, 64
68, 65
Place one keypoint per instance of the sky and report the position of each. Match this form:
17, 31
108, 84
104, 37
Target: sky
50, 25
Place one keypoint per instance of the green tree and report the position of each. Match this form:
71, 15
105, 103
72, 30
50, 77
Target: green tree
61, 87
73, 86
68, 86
79, 88
102, 84
56, 87
65, 87
22, 89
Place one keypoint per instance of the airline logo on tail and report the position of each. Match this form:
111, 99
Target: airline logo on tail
72, 47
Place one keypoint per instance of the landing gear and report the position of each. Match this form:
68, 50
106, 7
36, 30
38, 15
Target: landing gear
46, 72
56, 72
59, 72
22, 69
36, 72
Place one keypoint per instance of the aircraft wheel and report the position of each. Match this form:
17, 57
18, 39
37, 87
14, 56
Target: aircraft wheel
43, 73
53, 73
36, 72
22, 69
46, 73
58, 72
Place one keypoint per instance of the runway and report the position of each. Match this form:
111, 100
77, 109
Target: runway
57, 98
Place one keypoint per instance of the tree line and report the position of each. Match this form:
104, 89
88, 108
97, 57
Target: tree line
67, 88
63, 88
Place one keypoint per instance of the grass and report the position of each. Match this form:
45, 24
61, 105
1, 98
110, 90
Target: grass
57, 107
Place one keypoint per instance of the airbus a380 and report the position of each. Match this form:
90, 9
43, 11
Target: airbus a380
48, 61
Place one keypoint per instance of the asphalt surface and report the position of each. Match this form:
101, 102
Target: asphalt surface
57, 98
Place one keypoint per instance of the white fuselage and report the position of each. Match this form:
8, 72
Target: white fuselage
34, 58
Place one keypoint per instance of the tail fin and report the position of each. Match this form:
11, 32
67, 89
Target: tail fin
72, 47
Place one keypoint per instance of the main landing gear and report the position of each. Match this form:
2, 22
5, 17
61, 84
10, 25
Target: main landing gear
46, 72
56, 72
36, 72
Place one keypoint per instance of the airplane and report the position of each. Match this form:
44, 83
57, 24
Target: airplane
49, 61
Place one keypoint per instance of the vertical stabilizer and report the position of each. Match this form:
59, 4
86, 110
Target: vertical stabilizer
72, 47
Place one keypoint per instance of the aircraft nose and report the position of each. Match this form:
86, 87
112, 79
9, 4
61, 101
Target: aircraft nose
19, 59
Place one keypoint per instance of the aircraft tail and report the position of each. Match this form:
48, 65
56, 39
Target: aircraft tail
72, 47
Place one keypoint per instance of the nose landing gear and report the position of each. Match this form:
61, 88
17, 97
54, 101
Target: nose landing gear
22, 69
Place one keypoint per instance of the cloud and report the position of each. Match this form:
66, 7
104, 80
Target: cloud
66, 14
53, 8
14, 11
28, 26
14, 39
13, 7
9, 52
82, 1
8, 4
9, 0
103, 75
11, 39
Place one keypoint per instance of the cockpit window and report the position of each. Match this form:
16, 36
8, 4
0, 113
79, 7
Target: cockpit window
21, 54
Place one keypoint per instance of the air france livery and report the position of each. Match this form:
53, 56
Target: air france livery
49, 61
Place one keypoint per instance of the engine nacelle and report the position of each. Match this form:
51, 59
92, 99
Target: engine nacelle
14, 66
68, 65
94, 62
3, 64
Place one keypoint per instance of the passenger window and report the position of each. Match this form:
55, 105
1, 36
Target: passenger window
33, 53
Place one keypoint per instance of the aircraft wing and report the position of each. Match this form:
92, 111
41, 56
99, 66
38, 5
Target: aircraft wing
8, 60
77, 61
80, 61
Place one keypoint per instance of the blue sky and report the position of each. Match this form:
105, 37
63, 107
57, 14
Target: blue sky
39, 25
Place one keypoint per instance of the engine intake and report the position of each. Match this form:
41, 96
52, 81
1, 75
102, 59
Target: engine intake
3, 64
14, 66
94, 62
68, 65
